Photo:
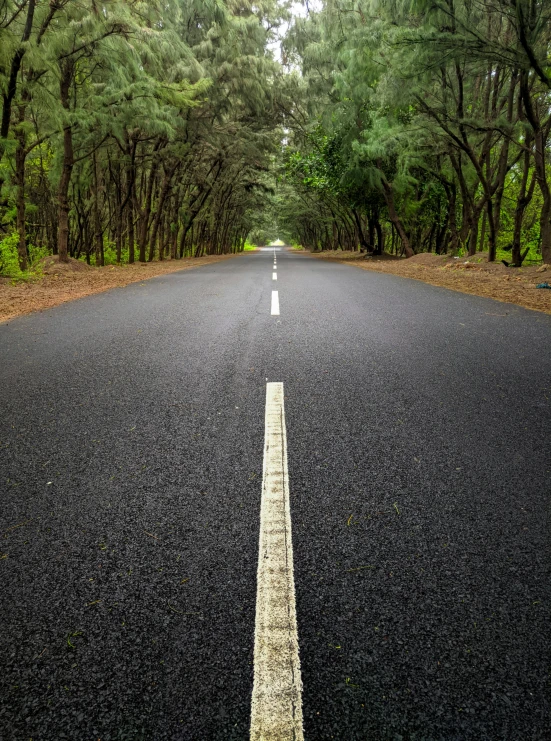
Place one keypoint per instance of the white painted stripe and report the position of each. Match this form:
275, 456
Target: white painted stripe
274, 276
275, 303
276, 712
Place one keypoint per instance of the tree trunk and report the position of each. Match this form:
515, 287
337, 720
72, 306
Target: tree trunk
118, 237
183, 239
452, 220
20, 156
67, 70
389, 199
130, 195
119, 215
364, 243
483, 231
545, 227
130, 221
540, 165
474, 220
98, 232
380, 239
15, 66
503, 160
158, 216
492, 241
523, 199
174, 245
144, 226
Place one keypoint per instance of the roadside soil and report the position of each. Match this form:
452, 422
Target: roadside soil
61, 282
465, 274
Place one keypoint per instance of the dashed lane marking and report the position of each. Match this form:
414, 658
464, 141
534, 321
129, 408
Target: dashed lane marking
274, 276
275, 303
276, 711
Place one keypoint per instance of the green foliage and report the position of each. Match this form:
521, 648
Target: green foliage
401, 125
9, 260
163, 118
412, 127
110, 254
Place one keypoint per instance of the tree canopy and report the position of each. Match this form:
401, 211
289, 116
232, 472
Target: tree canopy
134, 130
422, 126
147, 129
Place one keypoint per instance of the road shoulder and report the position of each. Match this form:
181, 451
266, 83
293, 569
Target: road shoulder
61, 283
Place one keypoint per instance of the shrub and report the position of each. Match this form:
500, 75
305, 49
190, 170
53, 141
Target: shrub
9, 260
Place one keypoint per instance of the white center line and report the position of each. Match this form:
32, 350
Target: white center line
274, 276
275, 303
276, 711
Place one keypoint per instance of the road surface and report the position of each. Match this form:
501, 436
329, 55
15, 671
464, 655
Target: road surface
136, 431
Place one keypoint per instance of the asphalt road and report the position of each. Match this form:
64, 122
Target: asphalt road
131, 454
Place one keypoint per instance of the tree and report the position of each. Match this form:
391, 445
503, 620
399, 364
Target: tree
435, 108
148, 120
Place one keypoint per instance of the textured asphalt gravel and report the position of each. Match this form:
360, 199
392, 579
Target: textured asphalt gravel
131, 438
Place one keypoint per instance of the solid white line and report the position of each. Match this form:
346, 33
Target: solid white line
274, 276
275, 303
276, 712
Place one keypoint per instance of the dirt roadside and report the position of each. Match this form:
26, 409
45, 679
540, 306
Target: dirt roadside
467, 275
61, 283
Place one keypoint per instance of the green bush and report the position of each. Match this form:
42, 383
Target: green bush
9, 260
110, 254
